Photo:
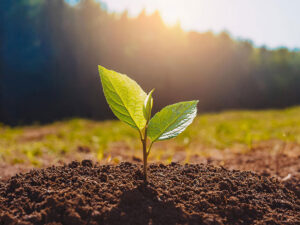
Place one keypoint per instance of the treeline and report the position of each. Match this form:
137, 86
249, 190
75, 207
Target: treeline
49, 52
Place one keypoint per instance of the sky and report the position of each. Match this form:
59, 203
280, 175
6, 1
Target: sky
271, 23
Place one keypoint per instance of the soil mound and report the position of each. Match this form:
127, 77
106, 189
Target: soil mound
87, 193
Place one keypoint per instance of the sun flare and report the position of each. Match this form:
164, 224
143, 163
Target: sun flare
172, 13
170, 17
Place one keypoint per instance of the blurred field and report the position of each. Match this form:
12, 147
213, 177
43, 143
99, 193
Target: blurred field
112, 141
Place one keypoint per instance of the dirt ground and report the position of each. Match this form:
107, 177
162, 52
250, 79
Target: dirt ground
259, 186
85, 193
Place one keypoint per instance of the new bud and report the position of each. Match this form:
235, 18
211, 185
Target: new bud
147, 107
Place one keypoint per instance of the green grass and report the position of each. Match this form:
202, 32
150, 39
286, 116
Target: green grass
243, 129
246, 127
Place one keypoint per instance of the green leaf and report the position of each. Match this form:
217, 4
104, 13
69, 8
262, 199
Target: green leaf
147, 108
124, 96
171, 120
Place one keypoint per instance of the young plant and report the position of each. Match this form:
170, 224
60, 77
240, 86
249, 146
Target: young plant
133, 106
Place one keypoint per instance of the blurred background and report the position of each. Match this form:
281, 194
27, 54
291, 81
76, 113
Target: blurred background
227, 54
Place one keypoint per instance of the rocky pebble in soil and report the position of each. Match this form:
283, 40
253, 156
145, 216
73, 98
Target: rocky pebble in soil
87, 193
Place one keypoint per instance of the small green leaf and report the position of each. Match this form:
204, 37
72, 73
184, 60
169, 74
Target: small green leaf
147, 108
171, 120
124, 96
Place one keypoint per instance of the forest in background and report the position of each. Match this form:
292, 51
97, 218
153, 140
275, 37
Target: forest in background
49, 52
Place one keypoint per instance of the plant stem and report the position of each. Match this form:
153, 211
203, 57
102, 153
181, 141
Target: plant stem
145, 156
148, 152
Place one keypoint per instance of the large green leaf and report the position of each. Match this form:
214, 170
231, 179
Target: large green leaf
124, 96
171, 120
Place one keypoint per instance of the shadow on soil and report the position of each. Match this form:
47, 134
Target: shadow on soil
142, 205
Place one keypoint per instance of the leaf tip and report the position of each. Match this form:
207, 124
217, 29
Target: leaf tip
101, 69
195, 102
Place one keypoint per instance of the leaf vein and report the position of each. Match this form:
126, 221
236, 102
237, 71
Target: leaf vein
123, 103
171, 123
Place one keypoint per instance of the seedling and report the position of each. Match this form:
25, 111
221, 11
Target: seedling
133, 106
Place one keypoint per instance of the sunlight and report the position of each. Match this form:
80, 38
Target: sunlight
277, 24
173, 13
171, 16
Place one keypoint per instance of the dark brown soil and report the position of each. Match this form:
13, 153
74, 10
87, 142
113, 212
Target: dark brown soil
282, 166
87, 193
